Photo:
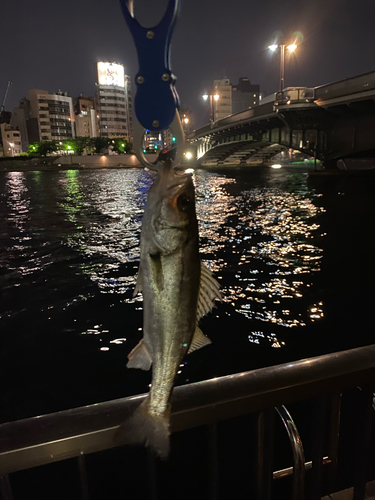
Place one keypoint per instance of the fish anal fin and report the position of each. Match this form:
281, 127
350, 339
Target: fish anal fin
199, 340
139, 357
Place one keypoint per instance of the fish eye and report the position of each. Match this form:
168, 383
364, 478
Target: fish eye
183, 202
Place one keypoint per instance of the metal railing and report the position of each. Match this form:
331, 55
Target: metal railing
261, 112
356, 84
74, 433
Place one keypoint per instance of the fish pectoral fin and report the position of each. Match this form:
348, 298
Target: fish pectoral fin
199, 340
138, 285
209, 290
139, 357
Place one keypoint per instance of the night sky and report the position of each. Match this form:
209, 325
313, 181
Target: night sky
55, 45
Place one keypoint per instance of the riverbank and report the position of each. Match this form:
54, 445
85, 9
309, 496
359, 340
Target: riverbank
72, 162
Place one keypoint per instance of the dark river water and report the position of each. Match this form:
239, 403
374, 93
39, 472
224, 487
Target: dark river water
293, 254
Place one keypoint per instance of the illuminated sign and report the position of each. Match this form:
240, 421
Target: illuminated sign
111, 74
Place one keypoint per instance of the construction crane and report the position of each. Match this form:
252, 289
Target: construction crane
5, 97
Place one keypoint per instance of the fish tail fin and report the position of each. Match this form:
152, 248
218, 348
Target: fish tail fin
145, 428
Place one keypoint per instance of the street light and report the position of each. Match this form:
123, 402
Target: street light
211, 96
292, 47
11, 144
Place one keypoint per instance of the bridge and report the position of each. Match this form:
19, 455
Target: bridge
331, 122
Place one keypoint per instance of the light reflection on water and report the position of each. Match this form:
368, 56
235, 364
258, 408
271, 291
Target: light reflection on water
263, 237
111, 235
260, 241
70, 252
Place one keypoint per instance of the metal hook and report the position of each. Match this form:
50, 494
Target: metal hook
156, 101
176, 130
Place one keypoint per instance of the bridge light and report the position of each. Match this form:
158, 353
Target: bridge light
216, 97
276, 166
292, 47
205, 97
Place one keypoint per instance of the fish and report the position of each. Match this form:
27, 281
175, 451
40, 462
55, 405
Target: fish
177, 291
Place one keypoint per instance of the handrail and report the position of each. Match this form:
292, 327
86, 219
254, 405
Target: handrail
262, 111
298, 453
71, 433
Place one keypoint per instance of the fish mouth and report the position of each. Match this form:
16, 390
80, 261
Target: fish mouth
178, 184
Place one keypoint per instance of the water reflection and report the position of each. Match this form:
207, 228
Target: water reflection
18, 202
110, 210
19, 256
265, 237
261, 240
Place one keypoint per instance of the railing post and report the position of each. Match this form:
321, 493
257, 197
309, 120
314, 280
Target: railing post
213, 461
365, 416
318, 435
333, 439
266, 430
5, 488
298, 453
151, 467
83, 477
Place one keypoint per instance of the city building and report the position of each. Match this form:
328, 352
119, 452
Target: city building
223, 105
11, 139
244, 95
114, 101
153, 140
19, 120
226, 99
86, 116
187, 120
53, 115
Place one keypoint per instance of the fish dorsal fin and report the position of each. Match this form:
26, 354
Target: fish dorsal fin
139, 357
199, 340
138, 285
208, 291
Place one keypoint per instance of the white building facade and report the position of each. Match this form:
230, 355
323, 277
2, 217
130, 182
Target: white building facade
223, 105
233, 98
54, 114
86, 116
11, 137
114, 101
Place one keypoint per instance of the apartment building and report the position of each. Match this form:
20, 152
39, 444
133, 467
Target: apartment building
53, 113
233, 98
114, 101
11, 139
222, 107
86, 116
245, 95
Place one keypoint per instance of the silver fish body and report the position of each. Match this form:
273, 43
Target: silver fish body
170, 280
